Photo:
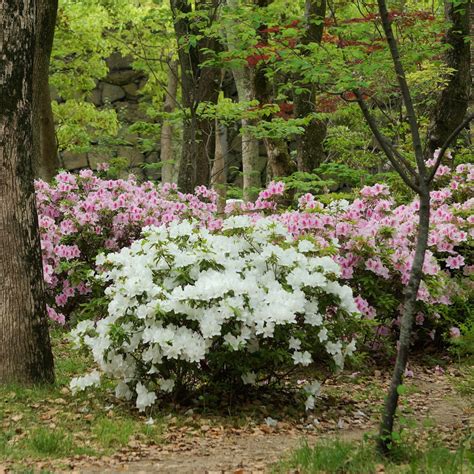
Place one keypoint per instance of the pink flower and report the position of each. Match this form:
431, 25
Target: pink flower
455, 262
454, 332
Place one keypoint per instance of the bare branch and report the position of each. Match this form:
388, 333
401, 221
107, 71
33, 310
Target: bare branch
447, 144
386, 147
402, 82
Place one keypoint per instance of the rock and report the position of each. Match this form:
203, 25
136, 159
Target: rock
112, 93
96, 97
96, 157
123, 77
117, 61
132, 154
74, 161
131, 90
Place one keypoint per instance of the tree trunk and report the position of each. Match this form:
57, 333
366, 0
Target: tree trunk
219, 170
198, 84
406, 325
280, 163
244, 82
25, 351
46, 162
279, 159
453, 101
309, 145
250, 147
166, 142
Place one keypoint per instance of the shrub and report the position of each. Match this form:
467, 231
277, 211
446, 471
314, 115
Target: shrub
188, 306
371, 238
83, 215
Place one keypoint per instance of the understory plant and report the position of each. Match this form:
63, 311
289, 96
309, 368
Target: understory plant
371, 238
188, 306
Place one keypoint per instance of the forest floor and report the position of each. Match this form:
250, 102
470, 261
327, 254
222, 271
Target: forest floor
50, 430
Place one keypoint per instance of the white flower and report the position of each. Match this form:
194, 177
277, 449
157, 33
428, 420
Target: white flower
305, 246
250, 378
100, 259
302, 358
81, 383
350, 348
333, 347
144, 397
313, 388
294, 343
309, 404
323, 335
237, 222
166, 385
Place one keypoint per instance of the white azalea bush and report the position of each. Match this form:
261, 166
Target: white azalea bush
188, 307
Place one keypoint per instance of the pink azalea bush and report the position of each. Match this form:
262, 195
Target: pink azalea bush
372, 238
82, 215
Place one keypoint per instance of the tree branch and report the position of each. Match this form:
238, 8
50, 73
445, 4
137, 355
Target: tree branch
386, 147
402, 82
447, 143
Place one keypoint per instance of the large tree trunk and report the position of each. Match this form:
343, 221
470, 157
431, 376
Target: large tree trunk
166, 142
453, 101
198, 84
46, 162
25, 351
309, 145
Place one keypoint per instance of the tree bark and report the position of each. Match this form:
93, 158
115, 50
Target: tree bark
46, 161
25, 351
219, 170
453, 101
166, 142
280, 163
198, 84
411, 291
244, 82
309, 145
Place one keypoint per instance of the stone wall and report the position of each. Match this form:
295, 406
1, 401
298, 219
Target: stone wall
120, 89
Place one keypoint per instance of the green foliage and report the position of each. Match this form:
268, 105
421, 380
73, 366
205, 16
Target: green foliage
78, 123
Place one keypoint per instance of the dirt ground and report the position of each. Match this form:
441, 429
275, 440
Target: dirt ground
347, 410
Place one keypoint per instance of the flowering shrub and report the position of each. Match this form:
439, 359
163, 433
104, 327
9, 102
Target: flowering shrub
371, 238
187, 306
82, 215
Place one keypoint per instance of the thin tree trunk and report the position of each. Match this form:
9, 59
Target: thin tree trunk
46, 161
453, 101
166, 142
244, 82
280, 163
250, 147
25, 351
411, 291
309, 145
219, 170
